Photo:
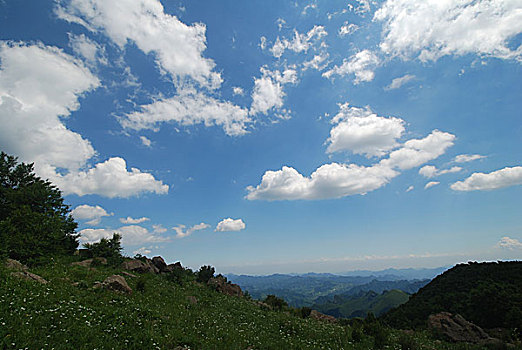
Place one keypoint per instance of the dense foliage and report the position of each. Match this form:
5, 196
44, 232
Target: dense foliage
109, 248
34, 221
487, 294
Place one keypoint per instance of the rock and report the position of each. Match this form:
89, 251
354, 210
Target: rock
160, 263
26, 275
173, 267
117, 283
192, 299
15, 265
139, 266
263, 305
322, 317
128, 274
221, 285
90, 262
456, 329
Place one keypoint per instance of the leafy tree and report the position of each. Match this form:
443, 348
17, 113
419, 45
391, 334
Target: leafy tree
34, 221
109, 248
275, 302
205, 273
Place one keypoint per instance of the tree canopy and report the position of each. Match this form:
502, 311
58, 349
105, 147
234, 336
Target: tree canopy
34, 220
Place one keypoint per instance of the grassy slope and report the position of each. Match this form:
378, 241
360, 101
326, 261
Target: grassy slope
61, 316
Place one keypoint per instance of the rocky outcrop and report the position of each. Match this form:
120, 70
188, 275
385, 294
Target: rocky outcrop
456, 329
160, 264
116, 283
139, 266
26, 275
90, 262
15, 265
322, 317
220, 284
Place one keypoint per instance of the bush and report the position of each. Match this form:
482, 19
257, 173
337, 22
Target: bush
205, 273
275, 302
305, 311
107, 248
34, 221
180, 276
141, 285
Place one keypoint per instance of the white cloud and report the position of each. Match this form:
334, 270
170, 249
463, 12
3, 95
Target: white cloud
431, 29
181, 232
268, 90
110, 179
35, 98
177, 47
309, 6
509, 243
464, 158
129, 220
159, 229
360, 64
410, 188
145, 141
490, 181
363, 132
398, 82
142, 251
347, 29
416, 152
230, 225
431, 184
300, 42
431, 171
238, 91
189, 108
91, 51
131, 235
91, 213
262, 43
328, 181
317, 62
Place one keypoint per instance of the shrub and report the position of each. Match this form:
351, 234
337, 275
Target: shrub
205, 273
275, 302
141, 285
107, 248
34, 221
407, 342
305, 311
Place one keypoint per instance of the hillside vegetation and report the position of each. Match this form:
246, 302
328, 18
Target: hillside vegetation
487, 294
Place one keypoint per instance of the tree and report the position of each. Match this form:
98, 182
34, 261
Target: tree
34, 221
205, 273
107, 248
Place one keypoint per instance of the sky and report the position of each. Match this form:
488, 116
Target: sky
274, 136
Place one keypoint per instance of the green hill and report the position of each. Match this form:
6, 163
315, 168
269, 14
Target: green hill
361, 304
487, 294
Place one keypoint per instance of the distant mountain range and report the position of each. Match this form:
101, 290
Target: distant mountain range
316, 288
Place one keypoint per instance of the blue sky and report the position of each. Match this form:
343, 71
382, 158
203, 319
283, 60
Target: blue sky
269, 136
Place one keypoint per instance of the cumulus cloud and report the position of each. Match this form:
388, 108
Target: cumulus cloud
110, 179
159, 229
268, 90
416, 152
328, 181
230, 225
145, 141
360, 64
129, 220
190, 107
90, 51
300, 42
92, 213
509, 176
509, 243
177, 47
347, 29
363, 132
318, 62
142, 251
238, 91
431, 184
398, 82
35, 99
131, 235
429, 30
336, 180
182, 231
431, 171
410, 188
464, 158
